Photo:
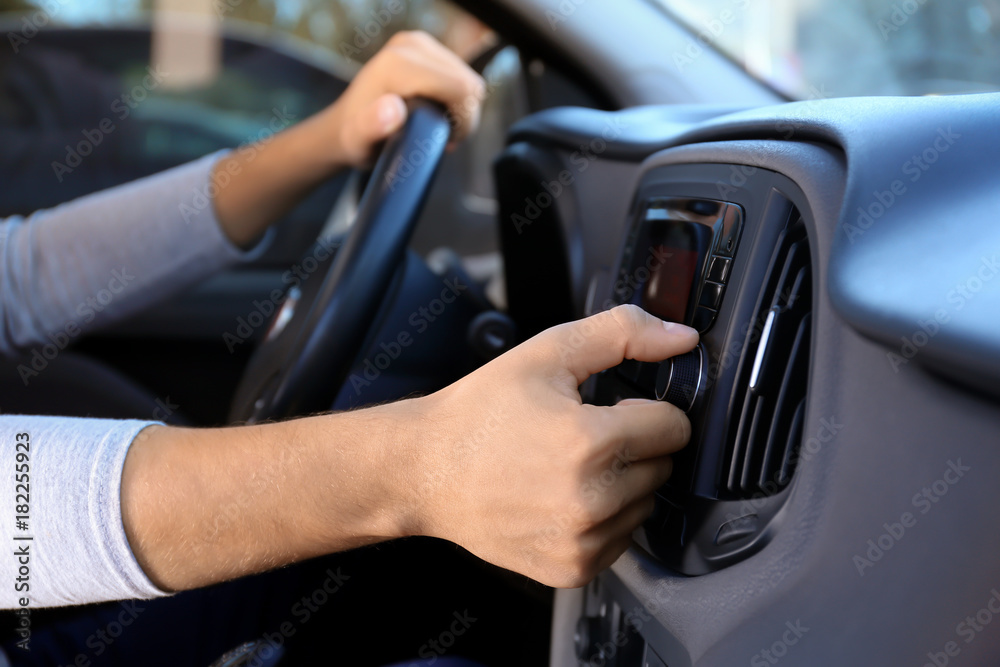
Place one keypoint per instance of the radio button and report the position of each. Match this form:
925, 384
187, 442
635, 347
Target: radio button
703, 319
718, 270
711, 295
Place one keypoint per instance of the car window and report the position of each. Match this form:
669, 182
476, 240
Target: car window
99, 92
839, 48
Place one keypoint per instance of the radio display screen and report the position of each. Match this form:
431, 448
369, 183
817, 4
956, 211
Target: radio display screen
674, 254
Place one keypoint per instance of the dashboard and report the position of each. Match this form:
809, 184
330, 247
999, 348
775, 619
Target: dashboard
837, 500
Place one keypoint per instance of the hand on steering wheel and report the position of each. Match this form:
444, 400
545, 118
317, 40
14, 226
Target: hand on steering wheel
299, 369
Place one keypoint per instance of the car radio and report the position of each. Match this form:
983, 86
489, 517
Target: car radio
678, 257
743, 386
676, 263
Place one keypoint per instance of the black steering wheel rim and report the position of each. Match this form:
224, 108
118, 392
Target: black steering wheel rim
301, 372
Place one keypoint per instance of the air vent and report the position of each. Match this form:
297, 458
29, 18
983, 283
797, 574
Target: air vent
770, 392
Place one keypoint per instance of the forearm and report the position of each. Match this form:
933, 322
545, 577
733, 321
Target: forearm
259, 183
207, 505
100, 258
506, 462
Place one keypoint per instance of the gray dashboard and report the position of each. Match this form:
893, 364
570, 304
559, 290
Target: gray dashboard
883, 550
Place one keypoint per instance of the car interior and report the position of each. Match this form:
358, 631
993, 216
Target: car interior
825, 219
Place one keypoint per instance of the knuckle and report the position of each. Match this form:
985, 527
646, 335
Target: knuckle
473, 87
583, 429
402, 37
629, 319
415, 37
682, 426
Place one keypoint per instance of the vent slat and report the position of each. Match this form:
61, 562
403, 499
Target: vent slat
792, 445
739, 455
753, 452
763, 440
792, 389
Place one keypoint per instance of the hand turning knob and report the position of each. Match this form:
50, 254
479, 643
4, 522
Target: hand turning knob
679, 379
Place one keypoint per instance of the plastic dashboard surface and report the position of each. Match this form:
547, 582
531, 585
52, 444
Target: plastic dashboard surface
887, 540
916, 225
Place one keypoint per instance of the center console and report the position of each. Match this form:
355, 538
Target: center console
686, 256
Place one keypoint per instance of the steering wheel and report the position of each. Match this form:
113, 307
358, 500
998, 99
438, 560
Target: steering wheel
322, 322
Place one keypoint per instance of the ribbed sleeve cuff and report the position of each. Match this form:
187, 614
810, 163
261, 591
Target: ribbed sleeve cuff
79, 550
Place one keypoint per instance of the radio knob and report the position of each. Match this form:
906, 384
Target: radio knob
680, 379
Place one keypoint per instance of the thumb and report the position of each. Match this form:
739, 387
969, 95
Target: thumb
385, 115
601, 341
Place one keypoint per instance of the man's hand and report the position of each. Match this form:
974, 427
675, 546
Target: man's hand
412, 64
507, 462
523, 474
258, 184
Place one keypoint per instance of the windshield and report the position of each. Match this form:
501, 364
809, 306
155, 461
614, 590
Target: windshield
840, 48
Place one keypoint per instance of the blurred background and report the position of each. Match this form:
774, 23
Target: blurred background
237, 68
172, 80
809, 49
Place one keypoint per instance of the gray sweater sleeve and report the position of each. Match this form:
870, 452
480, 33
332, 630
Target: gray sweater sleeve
100, 258
65, 271
65, 540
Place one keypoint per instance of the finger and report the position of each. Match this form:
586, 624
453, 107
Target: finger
638, 480
430, 70
462, 98
616, 534
646, 430
604, 340
383, 117
634, 401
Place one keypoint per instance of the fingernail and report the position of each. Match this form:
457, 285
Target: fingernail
388, 115
675, 328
